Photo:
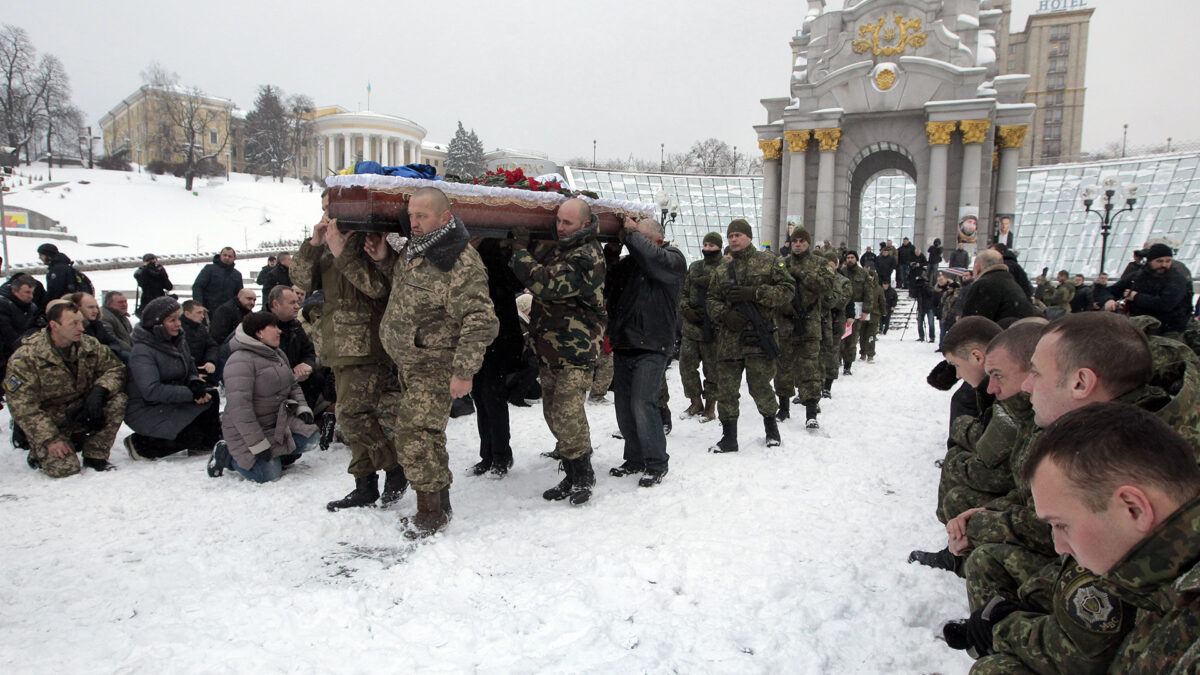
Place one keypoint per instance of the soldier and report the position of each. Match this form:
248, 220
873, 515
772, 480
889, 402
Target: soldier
567, 323
699, 344
876, 309
801, 326
436, 328
743, 294
859, 292
368, 394
834, 304
66, 391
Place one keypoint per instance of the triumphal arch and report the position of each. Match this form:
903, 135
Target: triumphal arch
907, 85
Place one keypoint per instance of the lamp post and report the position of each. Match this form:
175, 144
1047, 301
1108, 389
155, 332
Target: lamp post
593, 153
662, 157
668, 207
1109, 191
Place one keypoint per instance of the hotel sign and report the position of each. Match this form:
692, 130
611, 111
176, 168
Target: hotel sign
1060, 5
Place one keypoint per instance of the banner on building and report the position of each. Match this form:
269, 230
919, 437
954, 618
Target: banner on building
16, 219
1004, 229
968, 224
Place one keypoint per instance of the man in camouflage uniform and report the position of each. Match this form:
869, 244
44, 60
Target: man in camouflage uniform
1057, 296
699, 346
801, 323
876, 309
743, 295
66, 392
566, 278
347, 340
833, 305
859, 293
438, 323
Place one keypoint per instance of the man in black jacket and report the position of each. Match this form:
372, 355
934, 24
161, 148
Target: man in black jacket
906, 255
152, 278
279, 275
1009, 258
18, 315
885, 264
60, 272
283, 302
1158, 291
643, 309
219, 282
199, 340
995, 294
227, 316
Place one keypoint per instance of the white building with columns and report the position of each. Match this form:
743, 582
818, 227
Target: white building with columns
341, 138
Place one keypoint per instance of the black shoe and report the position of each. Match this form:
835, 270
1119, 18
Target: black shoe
32, 462
797, 401
940, 560
626, 469
728, 442
553, 454
827, 390
500, 469
584, 479
652, 477
811, 408
365, 492
395, 484
846, 370
772, 429
518, 401
825, 393
328, 427
219, 460
480, 468
563, 489
665, 413
785, 409
99, 464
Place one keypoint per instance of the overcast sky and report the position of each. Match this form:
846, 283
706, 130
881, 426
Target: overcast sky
554, 76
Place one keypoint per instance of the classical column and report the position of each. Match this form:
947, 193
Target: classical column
935, 200
974, 132
386, 149
797, 140
772, 150
827, 143
1011, 138
345, 151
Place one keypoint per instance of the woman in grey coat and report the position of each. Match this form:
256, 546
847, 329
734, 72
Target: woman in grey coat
170, 408
266, 422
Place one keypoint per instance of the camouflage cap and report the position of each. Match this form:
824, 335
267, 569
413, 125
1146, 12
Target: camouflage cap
739, 225
714, 238
801, 234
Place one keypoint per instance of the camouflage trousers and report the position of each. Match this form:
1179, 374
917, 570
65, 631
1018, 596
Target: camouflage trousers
368, 407
603, 377
999, 569
695, 356
831, 334
563, 392
866, 340
421, 428
759, 372
799, 370
850, 343
954, 498
93, 444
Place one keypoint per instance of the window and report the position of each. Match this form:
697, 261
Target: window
1052, 132
1060, 49
1054, 99
1012, 65
1058, 64
1060, 33
233, 152
1056, 82
1054, 115
1051, 149
212, 136
1012, 49
304, 162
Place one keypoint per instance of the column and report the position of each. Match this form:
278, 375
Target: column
935, 203
385, 147
1011, 139
974, 132
772, 150
797, 140
329, 147
827, 143
369, 147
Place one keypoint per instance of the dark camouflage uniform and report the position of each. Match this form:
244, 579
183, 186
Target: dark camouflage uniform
368, 393
695, 352
976, 469
767, 274
43, 383
800, 334
438, 323
859, 292
876, 306
835, 325
1058, 296
567, 323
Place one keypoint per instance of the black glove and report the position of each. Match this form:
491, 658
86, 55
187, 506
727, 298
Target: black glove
692, 315
97, 396
197, 388
77, 415
734, 320
214, 393
520, 237
974, 634
306, 417
943, 377
740, 294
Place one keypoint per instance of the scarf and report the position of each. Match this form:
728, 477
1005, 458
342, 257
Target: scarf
419, 244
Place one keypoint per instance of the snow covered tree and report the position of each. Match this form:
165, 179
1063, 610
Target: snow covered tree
35, 97
710, 156
269, 151
300, 128
464, 156
191, 123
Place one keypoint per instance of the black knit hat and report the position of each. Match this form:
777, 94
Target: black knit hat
713, 238
1158, 251
739, 225
47, 249
157, 310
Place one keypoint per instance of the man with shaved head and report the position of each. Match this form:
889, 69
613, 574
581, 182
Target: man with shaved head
995, 294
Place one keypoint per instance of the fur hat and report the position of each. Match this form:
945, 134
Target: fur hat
714, 238
739, 225
157, 310
47, 249
1155, 251
801, 234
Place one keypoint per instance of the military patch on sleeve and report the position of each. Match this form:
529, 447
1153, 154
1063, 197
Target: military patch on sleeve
12, 384
1093, 608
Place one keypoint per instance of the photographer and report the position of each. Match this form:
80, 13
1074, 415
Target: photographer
152, 278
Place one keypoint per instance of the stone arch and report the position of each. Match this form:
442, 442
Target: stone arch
871, 161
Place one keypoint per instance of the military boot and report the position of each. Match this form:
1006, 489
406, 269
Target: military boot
846, 369
728, 442
772, 429
430, 518
710, 410
563, 489
785, 409
695, 408
939, 560
665, 414
449, 510
395, 484
811, 408
365, 492
583, 479
826, 390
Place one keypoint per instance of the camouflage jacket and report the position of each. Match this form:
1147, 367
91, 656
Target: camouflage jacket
695, 295
1161, 578
355, 291
814, 280
984, 465
839, 295
566, 279
1059, 296
773, 289
439, 314
859, 284
41, 386
876, 303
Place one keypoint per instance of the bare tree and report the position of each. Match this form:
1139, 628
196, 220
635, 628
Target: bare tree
186, 117
300, 126
710, 156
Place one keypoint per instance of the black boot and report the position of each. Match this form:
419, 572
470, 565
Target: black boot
627, 468
772, 429
430, 518
811, 408
395, 484
665, 413
583, 479
99, 464
826, 391
563, 489
728, 442
785, 409
328, 428
365, 492
846, 369
940, 560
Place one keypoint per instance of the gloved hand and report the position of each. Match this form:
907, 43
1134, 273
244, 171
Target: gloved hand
740, 294
306, 417
520, 237
214, 393
974, 634
943, 377
197, 388
97, 396
734, 320
692, 315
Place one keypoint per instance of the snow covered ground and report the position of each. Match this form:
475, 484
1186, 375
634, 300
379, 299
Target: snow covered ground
781, 560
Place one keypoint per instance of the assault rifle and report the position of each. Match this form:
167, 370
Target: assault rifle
708, 330
764, 330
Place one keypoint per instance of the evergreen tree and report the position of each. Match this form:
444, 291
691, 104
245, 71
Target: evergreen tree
268, 135
464, 156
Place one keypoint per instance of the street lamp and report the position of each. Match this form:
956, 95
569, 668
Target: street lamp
593, 153
668, 206
1110, 190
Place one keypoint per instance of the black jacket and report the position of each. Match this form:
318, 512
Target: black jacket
153, 281
1018, 273
60, 277
885, 265
891, 297
505, 353
17, 319
278, 275
906, 254
935, 255
643, 303
98, 330
225, 319
296, 344
200, 343
995, 295
921, 291
959, 257
216, 284
1166, 297
868, 259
